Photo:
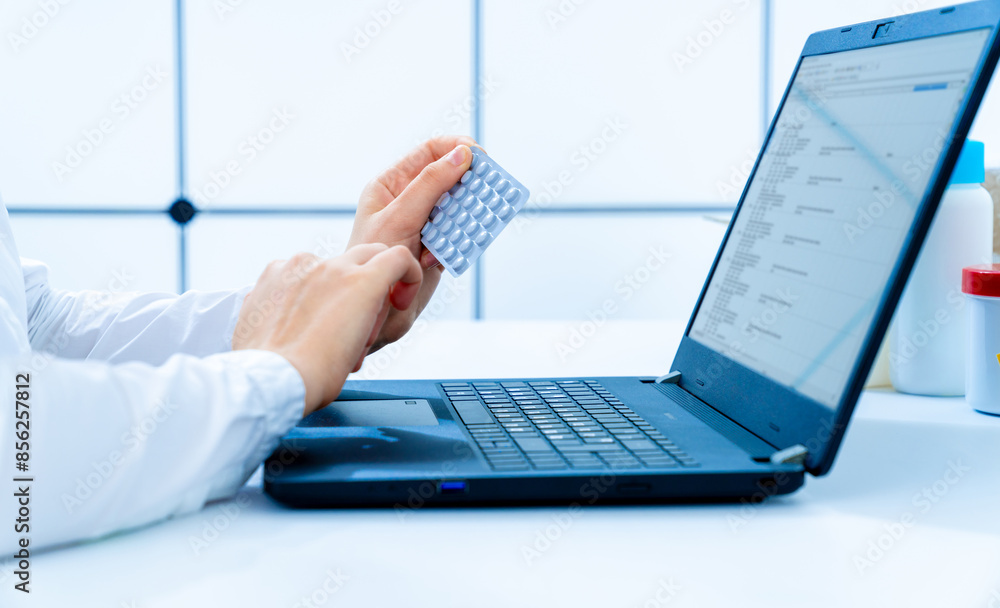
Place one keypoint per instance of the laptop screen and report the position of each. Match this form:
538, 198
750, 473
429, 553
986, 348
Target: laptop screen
825, 219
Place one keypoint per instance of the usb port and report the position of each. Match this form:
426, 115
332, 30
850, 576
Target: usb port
452, 487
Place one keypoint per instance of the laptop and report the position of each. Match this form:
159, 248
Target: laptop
778, 346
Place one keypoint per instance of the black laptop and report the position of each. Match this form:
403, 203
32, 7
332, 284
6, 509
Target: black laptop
777, 349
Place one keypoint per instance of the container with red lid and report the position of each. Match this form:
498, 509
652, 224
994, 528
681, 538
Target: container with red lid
981, 284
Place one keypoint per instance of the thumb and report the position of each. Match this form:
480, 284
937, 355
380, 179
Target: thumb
414, 204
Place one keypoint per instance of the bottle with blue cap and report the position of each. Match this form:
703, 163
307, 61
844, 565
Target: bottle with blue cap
927, 341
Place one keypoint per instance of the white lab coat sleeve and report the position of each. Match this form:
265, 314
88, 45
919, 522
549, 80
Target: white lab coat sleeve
124, 327
118, 446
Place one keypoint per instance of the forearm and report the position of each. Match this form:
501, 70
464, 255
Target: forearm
120, 446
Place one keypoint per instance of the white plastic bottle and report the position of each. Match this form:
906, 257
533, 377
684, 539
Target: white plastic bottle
927, 341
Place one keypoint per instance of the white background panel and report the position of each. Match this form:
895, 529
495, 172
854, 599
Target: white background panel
559, 80
227, 252
567, 267
987, 126
795, 20
66, 74
101, 252
353, 114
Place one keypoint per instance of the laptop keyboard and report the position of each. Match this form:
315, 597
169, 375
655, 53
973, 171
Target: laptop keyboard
558, 425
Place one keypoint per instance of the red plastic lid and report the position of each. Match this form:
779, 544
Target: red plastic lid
981, 280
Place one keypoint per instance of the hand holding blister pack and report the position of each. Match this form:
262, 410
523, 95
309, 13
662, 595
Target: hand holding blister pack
468, 218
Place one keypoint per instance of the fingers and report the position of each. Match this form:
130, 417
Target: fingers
360, 254
427, 260
402, 295
413, 206
394, 265
372, 336
398, 177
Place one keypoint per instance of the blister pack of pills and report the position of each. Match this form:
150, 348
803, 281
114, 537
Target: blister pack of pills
469, 217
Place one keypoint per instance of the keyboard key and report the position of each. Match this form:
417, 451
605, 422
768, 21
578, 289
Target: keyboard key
622, 462
508, 456
509, 450
533, 444
622, 426
591, 447
642, 445
593, 463
472, 412
662, 465
551, 466
511, 467
626, 436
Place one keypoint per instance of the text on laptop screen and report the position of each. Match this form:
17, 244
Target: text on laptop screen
827, 214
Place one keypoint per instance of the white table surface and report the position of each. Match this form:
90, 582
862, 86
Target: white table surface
799, 550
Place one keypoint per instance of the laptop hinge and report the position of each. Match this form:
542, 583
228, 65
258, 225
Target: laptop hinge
795, 454
671, 378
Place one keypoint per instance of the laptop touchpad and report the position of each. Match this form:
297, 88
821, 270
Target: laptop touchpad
382, 412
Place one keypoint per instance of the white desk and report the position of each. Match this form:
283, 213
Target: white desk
794, 551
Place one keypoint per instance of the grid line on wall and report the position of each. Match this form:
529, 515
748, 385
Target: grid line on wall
181, 107
766, 46
478, 287
477, 120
